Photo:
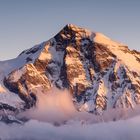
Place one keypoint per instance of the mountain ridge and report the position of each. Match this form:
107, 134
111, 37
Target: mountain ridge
97, 71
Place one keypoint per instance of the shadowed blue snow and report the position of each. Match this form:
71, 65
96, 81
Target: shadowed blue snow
24, 23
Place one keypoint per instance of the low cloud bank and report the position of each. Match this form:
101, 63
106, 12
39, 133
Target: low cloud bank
35, 130
56, 107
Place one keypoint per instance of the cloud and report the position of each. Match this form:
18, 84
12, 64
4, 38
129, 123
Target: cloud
56, 107
52, 106
74, 130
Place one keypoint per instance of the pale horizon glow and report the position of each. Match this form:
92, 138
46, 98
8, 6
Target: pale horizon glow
27, 23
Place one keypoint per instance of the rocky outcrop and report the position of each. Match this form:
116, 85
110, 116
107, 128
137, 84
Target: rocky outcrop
29, 82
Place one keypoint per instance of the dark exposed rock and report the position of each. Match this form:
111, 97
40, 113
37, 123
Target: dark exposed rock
32, 50
28, 59
7, 107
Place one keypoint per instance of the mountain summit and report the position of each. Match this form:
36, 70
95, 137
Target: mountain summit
100, 73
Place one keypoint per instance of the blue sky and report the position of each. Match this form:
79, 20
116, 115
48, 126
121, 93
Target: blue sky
24, 23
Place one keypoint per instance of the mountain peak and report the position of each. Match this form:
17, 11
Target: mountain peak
72, 25
100, 73
76, 29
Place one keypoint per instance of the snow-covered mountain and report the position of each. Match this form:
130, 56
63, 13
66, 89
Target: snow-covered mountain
101, 74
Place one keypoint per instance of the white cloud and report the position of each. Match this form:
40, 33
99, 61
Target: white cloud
120, 130
55, 108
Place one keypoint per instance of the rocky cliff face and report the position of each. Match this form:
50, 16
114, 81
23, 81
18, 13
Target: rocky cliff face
100, 73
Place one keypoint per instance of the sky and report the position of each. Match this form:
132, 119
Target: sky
24, 23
